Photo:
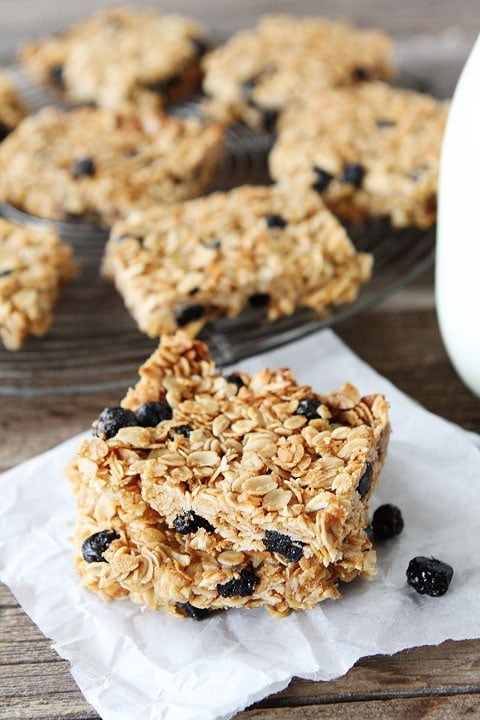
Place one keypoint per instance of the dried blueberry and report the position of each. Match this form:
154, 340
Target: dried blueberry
269, 119
83, 167
353, 174
259, 299
5, 273
308, 407
4, 131
190, 522
95, 545
213, 244
247, 86
323, 179
240, 586
365, 481
387, 521
184, 430
200, 45
235, 379
56, 75
188, 313
164, 85
429, 576
151, 413
190, 610
361, 73
383, 123
111, 419
292, 550
275, 221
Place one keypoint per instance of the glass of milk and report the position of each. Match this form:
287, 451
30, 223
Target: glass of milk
457, 274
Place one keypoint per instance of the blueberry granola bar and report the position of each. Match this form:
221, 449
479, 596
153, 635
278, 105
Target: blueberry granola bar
284, 545
34, 264
258, 73
368, 150
95, 164
121, 57
12, 107
184, 265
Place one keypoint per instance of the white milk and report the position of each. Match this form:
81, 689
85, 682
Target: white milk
457, 281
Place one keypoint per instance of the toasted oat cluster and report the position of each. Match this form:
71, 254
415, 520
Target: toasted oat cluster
12, 107
260, 72
95, 164
189, 263
34, 264
121, 57
205, 491
372, 149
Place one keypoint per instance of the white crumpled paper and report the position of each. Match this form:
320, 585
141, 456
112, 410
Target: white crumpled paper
130, 662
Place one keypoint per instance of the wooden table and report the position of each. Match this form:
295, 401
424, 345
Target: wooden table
399, 338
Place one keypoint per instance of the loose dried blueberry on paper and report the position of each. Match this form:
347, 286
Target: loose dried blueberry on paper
429, 576
292, 550
239, 587
95, 545
111, 419
387, 521
151, 413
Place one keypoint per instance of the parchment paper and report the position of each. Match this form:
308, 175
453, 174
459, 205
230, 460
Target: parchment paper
130, 662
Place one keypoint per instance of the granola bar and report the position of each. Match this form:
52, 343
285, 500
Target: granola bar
121, 57
189, 263
95, 164
213, 442
369, 150
34, 264
260, 72
12, 107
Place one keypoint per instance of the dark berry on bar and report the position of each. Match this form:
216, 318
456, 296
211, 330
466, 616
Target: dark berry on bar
365, 481
308, 407
189, 313
259, 299
200, 45
387, 521
196, 613
240, 586
190, 522
323, 179
213, 244
83, 167
95, 545
429, 576
5, 273
292, 550
151, 413
269, 119
56, 75
111, 419
384, 123
184, 430
353, 174
275, 221
235, 379
248, 85
361, 73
